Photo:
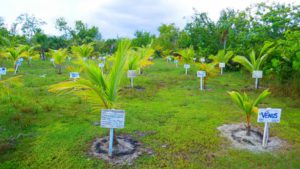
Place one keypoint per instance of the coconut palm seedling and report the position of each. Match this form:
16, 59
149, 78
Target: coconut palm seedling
248, 106
187, 57
83, 51
221, 58
255, 64
101, 90
133, 60
15, 54
144, 57
59, 57
30, 53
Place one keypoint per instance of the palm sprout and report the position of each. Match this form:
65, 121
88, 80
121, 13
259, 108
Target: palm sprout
187, 55
83, 51
59, 57
15, 54
247, 105
222, 57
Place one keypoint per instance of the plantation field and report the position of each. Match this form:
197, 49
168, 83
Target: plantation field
167, 114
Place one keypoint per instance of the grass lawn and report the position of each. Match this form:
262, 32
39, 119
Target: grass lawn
42, 130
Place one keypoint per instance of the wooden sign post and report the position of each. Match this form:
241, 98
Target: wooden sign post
267, 116
112, 119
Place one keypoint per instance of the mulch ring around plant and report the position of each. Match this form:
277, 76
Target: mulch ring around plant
124, 153
236, 133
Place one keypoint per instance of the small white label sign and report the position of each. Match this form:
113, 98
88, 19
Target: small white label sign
101, 65
131, 73
169, 58
257, 74
74, 75
201, 74
150, 58
194, 59
186, 66
202, 60
112, 118
221, 65
2, 71
269, 115
51, 60
21, 59
175, 61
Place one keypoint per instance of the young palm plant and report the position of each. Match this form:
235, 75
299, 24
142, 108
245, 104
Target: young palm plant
59, 57
83, 51
221, 58
144, 54
101, 90
247, 105
15, 54
210, 70
187, 56
255, 63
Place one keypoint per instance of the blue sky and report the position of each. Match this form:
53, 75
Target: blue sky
119, 17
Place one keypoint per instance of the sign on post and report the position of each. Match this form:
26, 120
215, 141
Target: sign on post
74, 75
222, 66
112, 119
2, 71
101, 65
186, 66
267, 116
176, 62
257, 74
202, 60
201, 75
131, 74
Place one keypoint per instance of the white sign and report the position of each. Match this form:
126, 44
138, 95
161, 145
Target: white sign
221, 65
269, 115
202, 60
51, 60
101, 65
74, 75
175, 61
150, 58
2, 71
131, 73
257, 74
169, 58
186, 66
84, 58
21, 59
194, 59
201, 74
112, 118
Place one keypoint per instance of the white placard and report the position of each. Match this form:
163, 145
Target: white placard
175, 61
186, 66
221, 65
131, 73
84, 58
269, 115
257, 74
51, 60
202, 60
2, 71
201, 74
150, 58
169, 58
112, 118
101, 65
74, 75
194, 59
21, 59
19, 62
93, 57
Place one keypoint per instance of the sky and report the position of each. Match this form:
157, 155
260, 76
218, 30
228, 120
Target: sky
119, 18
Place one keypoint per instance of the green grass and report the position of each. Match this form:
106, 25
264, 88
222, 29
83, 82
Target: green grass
42, 130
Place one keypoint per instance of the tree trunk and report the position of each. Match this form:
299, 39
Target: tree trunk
248, 127
59, 69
